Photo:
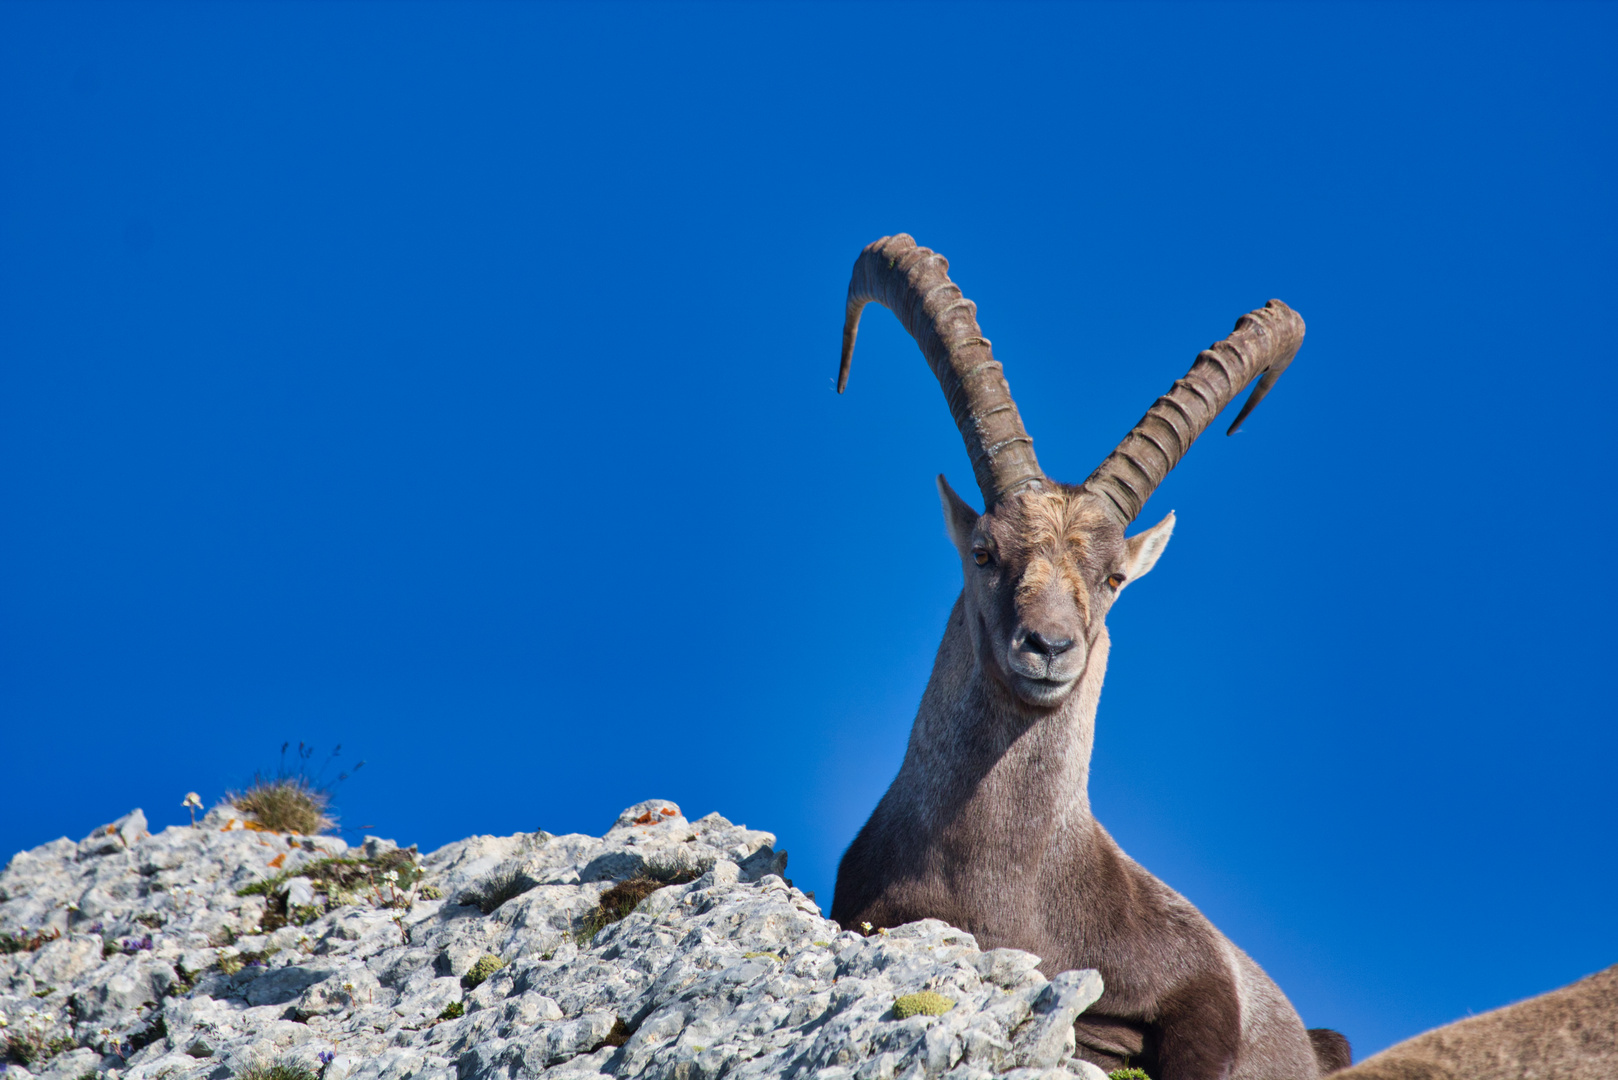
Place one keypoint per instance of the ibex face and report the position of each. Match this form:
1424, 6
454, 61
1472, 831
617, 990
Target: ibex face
1042, 569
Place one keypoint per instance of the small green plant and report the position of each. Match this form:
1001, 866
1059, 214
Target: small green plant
235, 962
506, 883
925, 1003
1128, 1074
146, 1036
184, 982
33, 1044
487, 965
617, 902
761, 956
388, 880
292, 800
17, 941
453, 1011
280, 1070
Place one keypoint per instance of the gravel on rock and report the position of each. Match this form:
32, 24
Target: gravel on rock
201, 953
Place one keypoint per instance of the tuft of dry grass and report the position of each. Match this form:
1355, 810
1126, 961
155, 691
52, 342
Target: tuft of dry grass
617, 902
507, 882
289, 804
279, 1070
294, 800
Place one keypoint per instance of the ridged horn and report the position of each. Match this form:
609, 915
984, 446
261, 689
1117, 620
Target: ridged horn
1263, 343
913, 282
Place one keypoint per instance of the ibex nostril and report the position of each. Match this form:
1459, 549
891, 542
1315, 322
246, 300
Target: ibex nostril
1049, 646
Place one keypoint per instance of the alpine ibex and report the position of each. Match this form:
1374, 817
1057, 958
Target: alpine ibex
988, 823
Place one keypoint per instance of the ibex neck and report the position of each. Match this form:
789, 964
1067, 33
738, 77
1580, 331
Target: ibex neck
978, 751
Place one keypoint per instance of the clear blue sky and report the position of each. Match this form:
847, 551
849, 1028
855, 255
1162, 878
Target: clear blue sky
454, 382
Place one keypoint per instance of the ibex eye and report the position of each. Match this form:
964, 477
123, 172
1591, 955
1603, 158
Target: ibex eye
1116, 581
980, 556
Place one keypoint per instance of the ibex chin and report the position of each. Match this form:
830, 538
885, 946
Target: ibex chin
988, 823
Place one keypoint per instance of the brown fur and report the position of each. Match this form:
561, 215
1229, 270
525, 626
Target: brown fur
988, 823
1567, 1034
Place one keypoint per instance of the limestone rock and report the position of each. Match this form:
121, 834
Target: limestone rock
173, 973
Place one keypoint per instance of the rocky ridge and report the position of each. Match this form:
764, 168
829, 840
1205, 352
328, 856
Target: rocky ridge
220, 950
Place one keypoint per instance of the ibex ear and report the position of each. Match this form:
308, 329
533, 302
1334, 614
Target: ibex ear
1141, 551
959, 518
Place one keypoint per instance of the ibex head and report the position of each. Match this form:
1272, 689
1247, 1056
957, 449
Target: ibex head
1042, 569
1044, 561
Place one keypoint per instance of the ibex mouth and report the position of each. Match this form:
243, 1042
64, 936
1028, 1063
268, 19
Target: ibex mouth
1042, 692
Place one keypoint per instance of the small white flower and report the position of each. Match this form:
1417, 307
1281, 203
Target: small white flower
391, 876
192, 799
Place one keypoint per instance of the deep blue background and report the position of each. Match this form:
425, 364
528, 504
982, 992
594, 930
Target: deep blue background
455, 383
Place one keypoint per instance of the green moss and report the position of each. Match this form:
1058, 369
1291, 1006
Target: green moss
453, 1011
1128, 1074
925, 1003
487, 965
764, 955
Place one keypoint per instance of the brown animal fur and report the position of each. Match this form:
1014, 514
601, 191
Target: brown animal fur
988, 823
1567, 1034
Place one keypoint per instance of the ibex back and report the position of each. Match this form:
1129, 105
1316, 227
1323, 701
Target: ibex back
988, 823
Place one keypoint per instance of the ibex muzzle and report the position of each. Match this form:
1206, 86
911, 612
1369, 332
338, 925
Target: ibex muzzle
988, 823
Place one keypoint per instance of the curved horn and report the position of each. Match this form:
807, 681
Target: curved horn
1264, 342
914, 284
